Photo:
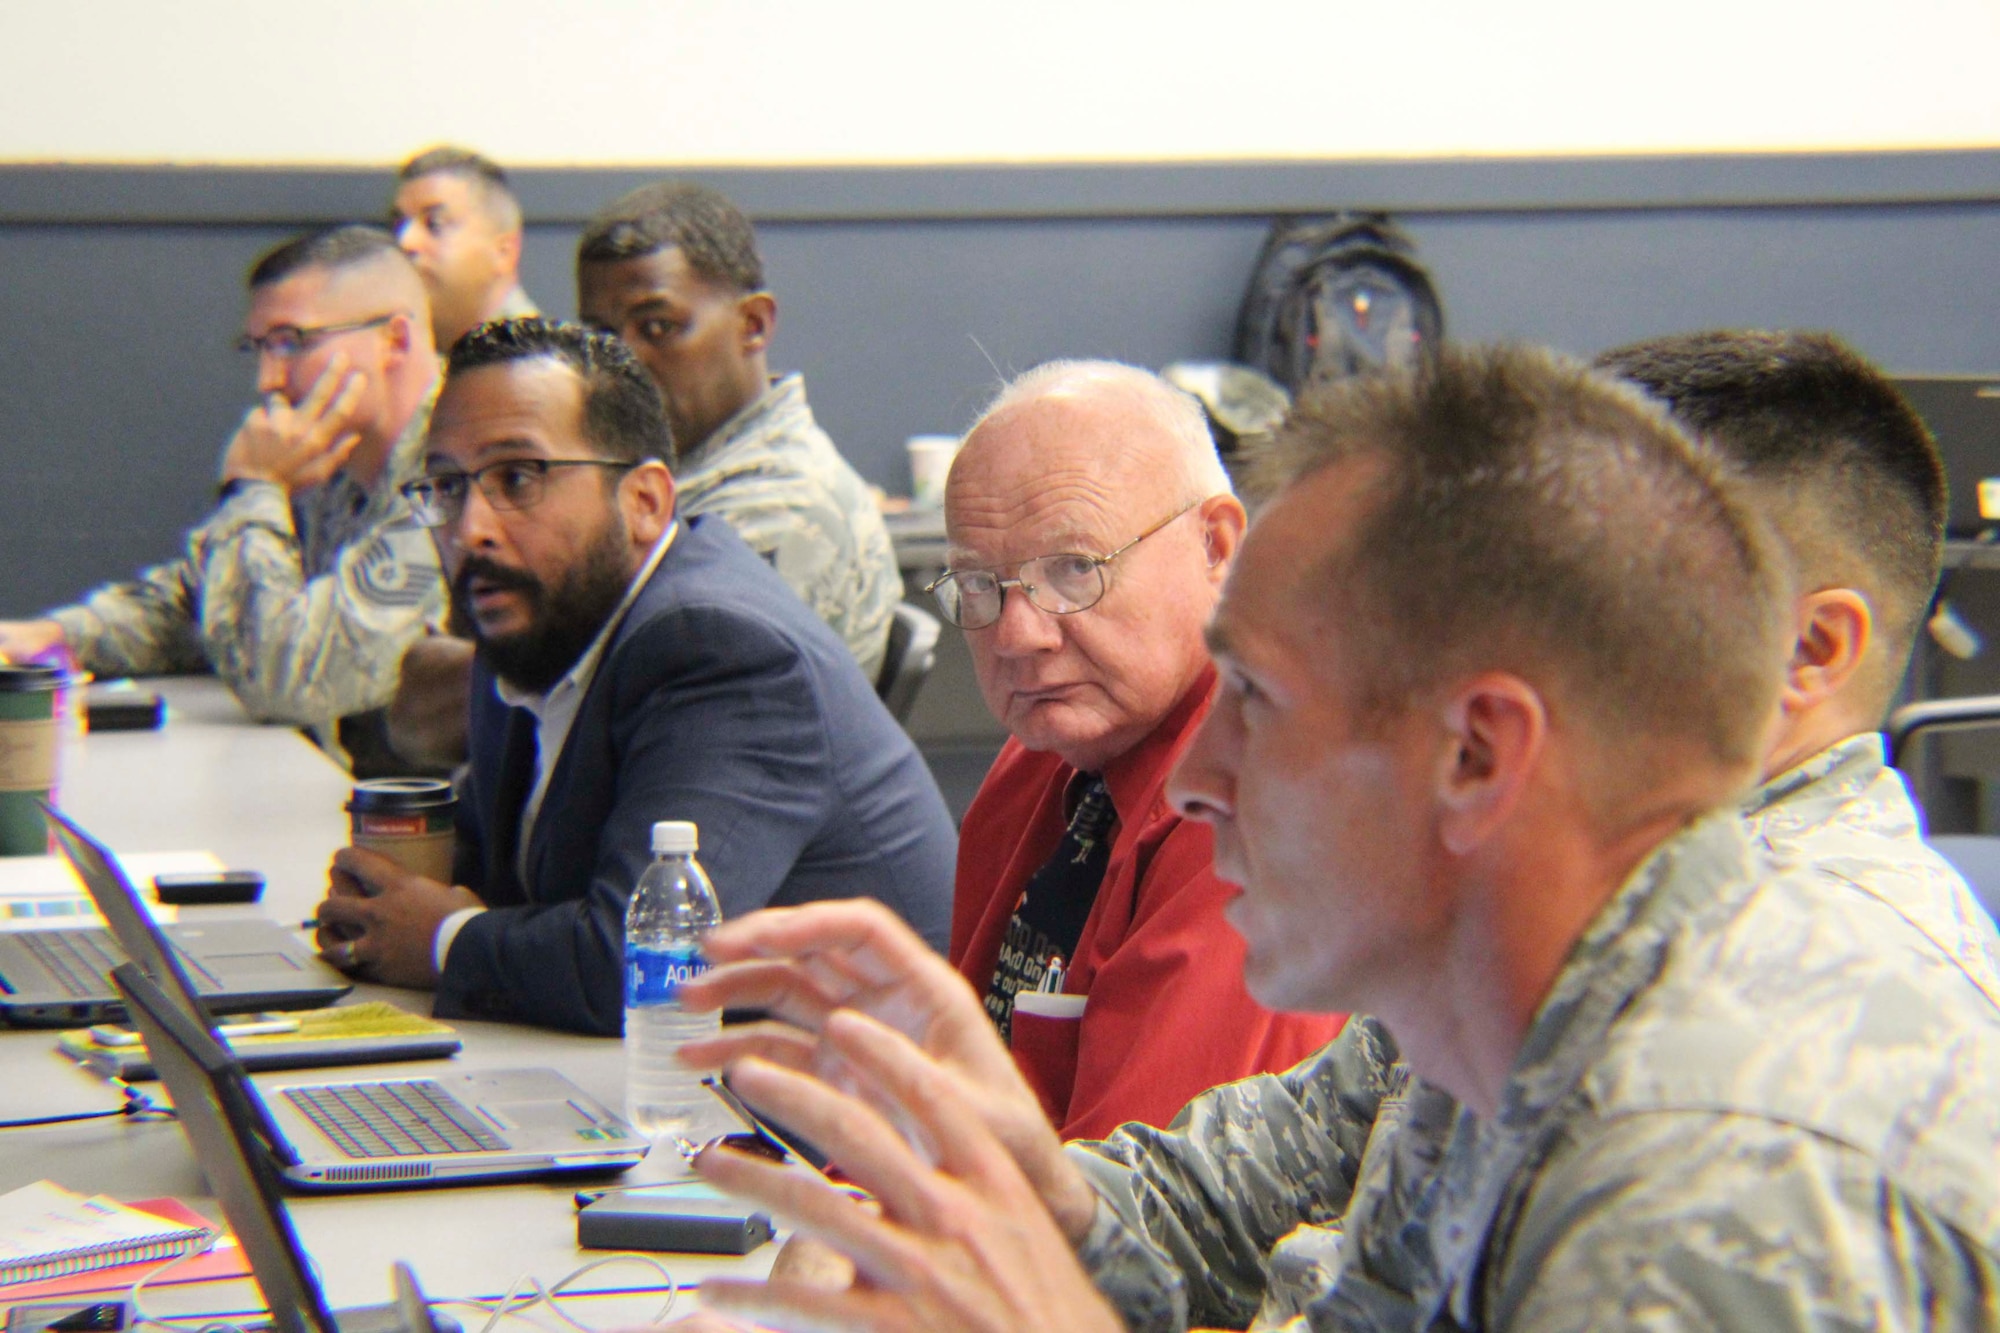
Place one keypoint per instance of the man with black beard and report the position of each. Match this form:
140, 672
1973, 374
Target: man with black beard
632, 666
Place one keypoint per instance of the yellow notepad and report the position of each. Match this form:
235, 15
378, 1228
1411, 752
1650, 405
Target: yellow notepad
47, 1231
361, 1033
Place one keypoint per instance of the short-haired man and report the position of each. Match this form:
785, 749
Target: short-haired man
673, 270
1090, 527
1496, 662
1846, 472
305, 585
456, 217
633, 666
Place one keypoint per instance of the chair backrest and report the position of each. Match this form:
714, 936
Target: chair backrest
913, 637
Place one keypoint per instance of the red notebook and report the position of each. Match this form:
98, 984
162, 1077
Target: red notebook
225, 1260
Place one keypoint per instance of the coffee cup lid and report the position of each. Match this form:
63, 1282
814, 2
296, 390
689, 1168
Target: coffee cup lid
21, 678
379, 794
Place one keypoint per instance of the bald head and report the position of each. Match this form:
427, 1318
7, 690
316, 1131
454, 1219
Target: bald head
1167, 434
1088, 460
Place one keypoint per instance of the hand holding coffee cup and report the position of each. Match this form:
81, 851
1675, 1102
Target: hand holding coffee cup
380, 920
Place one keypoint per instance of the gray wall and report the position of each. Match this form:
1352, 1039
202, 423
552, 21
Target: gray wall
902, 290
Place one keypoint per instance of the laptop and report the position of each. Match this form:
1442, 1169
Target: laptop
223, 1127
485, 1124
144, 943
1963, 412
56, 977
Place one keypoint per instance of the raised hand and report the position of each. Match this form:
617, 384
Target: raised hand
961, 1240
300, 447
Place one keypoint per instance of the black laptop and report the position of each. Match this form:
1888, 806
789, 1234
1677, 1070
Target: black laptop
223, 1127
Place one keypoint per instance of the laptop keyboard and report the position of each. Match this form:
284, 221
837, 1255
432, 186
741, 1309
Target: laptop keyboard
77, 959
413, 1118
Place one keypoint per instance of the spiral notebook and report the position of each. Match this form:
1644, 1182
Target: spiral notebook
47, 1231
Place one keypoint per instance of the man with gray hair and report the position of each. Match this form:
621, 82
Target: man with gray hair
1091, 525
456, 217
1497, 663
304, 586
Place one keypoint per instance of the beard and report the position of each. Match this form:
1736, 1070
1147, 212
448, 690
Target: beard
562, 619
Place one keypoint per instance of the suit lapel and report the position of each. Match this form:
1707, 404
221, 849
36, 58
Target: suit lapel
517, 776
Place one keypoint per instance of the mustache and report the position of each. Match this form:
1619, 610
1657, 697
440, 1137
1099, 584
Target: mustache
479, 567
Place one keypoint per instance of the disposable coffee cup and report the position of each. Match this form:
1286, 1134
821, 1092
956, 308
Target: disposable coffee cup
930, 464
28, 739
408, 820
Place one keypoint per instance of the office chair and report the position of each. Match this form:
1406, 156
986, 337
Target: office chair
913, 637
1973, 856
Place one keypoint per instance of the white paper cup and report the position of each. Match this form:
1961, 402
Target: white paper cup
930, 463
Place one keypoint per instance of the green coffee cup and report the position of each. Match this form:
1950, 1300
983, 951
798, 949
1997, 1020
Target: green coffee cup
27, 756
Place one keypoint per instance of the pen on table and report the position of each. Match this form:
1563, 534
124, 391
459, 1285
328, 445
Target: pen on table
310, 923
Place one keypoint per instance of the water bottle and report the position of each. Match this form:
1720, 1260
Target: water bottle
671, 909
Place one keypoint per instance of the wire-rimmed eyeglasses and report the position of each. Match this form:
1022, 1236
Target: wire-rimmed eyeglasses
289, 340
438, 499
1061, 584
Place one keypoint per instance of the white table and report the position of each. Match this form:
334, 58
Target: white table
264, 798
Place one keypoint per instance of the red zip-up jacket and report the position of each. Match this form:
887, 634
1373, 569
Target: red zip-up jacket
1167, 1014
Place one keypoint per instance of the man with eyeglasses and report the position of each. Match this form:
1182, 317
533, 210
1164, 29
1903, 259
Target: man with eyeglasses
305, 585
632, 665
1091, 525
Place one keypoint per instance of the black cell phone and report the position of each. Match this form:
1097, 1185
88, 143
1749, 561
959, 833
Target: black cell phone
70, 1317
191, 888
122, 708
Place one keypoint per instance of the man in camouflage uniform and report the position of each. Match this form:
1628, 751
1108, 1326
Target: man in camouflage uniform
455, 215
305, 585
1730, 1093
673, 269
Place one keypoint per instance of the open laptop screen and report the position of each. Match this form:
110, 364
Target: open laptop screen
134, 930
219, 1114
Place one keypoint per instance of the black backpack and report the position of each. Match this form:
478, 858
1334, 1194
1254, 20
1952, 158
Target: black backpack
1332, 297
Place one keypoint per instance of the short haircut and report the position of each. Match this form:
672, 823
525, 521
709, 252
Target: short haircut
349, 245
1179, 414
717, 240
1844, 467
502, 204
1526, 514
624, 417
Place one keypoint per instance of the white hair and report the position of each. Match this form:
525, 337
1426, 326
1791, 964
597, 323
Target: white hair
1178, 414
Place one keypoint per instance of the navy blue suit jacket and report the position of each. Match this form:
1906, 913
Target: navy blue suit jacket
721, 699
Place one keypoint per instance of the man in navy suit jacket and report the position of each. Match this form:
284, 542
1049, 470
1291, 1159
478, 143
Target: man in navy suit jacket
631, 667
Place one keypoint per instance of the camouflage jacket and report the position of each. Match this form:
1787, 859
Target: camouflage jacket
1748, 1102
303, 607
774, 476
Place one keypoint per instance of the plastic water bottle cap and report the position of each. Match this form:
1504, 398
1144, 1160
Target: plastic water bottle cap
674, 837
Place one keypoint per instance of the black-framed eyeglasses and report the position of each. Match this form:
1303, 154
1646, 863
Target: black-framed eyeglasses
1061, 584
289, 340
513, 483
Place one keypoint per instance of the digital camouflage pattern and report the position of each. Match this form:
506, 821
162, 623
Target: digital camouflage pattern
773, 475
1764, 1093
303, 607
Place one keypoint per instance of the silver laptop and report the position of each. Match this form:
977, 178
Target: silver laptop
224, 1130
487, 1124
57, 977
144, 943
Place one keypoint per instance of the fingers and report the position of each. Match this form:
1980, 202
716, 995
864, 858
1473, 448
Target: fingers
776, 1043
800, 1307
904, 1078
883, 945
332, 381
776, 987
880, 1251
847, 1130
